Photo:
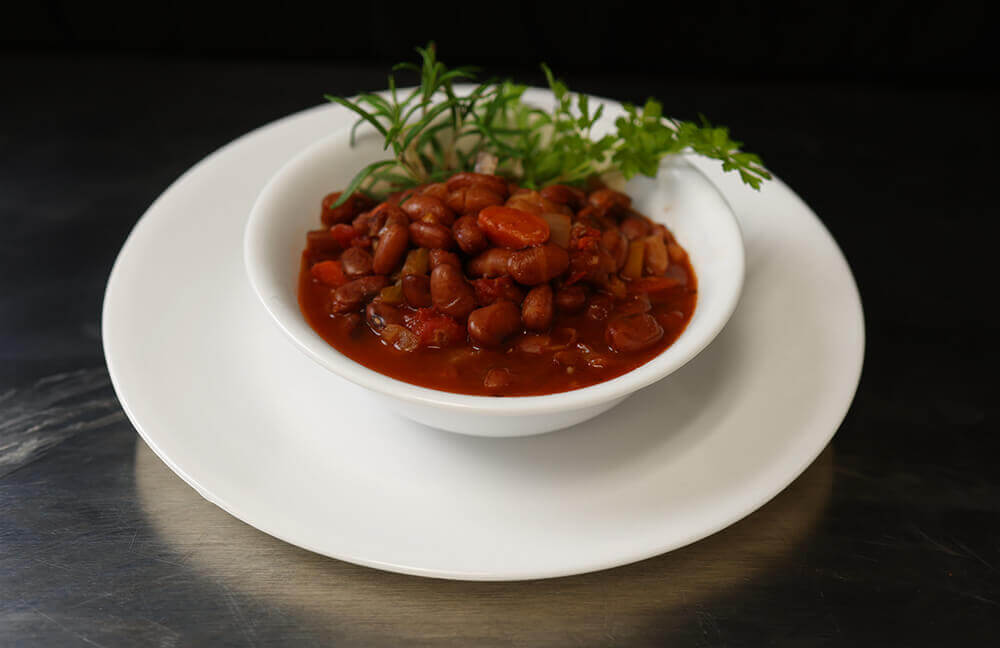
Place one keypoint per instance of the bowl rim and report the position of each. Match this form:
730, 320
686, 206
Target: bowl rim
333, 360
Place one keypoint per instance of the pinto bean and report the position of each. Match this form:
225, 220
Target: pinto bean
352, 294
397, 197
379, 315
608, 199
496, 184
469, 200
428, 209
392, 245
443, 257
356, 262
659, 229
635, 227
571, 299
536, 310
417, 290
480, 196
633, 333
468, 235
593, 266
657, 259
493, 289
491, 263
437, 189
591, 217
344, 213
431, 235
387, 214
617, 246
565, 195
538, 264
391, 218
489, 325
450, 293
362, 222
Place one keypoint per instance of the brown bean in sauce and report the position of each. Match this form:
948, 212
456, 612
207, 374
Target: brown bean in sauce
431, 235
392, 246
537, 308
468, 235
491, 325
537, 264
417, 290
414, 288
356, 262
450, 292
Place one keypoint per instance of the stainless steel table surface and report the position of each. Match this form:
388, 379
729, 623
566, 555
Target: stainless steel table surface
892, 537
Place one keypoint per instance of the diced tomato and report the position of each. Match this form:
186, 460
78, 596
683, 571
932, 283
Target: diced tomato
343, 213
321, 241
433, 328
330, 273
583, 237
512, 228
343, 234
491, 289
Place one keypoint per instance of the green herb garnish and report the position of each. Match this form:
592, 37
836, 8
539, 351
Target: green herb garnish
434, 133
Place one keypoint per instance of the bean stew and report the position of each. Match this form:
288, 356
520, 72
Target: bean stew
477, 286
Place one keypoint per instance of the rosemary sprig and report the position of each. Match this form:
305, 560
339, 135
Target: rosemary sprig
433, 133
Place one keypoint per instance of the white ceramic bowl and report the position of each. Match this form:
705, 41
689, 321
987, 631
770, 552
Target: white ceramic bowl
679, 197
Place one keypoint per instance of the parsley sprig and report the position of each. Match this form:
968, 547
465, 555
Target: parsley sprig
433, 132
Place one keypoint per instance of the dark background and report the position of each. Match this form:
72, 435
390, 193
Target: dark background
882, 116
950, 42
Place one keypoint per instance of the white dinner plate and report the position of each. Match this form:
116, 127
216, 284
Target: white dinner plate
260, 430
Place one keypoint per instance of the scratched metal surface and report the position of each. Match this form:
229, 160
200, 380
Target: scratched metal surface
892, 537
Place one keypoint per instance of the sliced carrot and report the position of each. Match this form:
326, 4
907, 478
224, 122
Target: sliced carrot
343, 234
512, 228
329, 272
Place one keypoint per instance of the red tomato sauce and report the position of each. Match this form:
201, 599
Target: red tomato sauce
539, 321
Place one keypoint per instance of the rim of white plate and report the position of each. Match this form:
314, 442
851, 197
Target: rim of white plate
776, 477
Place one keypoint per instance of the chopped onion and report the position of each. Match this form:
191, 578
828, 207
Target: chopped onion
392, 294
400, 337
657, 260
633, 262
417, 262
